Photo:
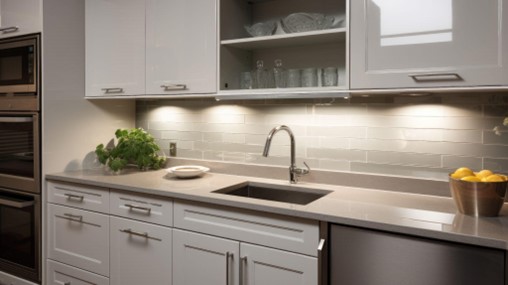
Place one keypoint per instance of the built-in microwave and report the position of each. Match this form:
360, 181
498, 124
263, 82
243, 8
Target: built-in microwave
20, 73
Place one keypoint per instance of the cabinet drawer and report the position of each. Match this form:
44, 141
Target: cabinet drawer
79, 238
84, 197
283, 232
142, 207
58, 273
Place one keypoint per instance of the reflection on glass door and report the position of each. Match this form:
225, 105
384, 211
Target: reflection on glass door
404, 22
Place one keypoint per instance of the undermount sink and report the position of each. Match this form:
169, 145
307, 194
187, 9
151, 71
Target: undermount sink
279, 193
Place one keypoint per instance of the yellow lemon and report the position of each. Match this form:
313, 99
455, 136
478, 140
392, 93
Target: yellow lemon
462, 172
493, 178
471, 178
505, 178
484, 173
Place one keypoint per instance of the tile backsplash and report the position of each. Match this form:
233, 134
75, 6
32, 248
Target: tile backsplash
423, 137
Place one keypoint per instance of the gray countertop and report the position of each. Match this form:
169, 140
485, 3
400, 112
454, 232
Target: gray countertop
413, 214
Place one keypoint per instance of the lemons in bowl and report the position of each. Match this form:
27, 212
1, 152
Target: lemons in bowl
485, 175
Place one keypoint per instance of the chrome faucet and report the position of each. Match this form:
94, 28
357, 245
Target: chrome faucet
294, 172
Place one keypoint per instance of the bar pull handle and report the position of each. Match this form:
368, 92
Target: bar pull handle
74, 197
72, 217
7, 30
243, 270
229, 272
67, 283
174, 87
113, 90
16, 204
144, 235
134, 207
429, 77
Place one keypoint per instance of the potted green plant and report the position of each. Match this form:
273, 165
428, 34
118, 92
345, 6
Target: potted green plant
135, 146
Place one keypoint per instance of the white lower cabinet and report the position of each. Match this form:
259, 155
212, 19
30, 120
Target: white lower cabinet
140, 253
267, 266
204, 259
79, 238
59, 273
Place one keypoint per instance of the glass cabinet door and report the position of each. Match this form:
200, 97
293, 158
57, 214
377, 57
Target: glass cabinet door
428, 43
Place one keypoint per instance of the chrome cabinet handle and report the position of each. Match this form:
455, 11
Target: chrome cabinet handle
134, 207
7, 30
16, 204
74, 196
114, 90
243, 270
229, 272
428, 77
173, 87
134, 233
72, 217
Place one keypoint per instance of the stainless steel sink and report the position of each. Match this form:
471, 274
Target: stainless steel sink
280, 193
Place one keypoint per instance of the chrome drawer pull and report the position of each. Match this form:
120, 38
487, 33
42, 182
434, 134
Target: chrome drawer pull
134, 207
134, 233
115, 90
243, 270
229, 272
74, 196
71, 217
9, 29
428, 77
173, 87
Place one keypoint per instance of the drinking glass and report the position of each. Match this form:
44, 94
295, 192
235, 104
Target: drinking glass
330, 76
309, 77
246, 80
293, 78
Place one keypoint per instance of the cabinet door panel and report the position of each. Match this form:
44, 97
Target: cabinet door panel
361, 256
115, 47
202, 259
422, 43
181, 43
79, 238
266, 266
138, 259
25, 16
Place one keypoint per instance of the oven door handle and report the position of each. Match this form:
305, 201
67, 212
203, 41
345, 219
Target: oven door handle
16, 204
16, 119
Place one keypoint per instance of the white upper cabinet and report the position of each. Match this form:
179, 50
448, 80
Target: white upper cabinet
151, 47
115, 47
19, 17
428, 43
181, 46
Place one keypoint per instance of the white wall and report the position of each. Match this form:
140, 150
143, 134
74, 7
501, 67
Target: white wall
71, 125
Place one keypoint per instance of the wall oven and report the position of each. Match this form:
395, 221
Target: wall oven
20, 205
20, 236
20, 73
19, 151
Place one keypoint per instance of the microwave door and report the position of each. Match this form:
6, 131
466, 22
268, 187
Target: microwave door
17, 68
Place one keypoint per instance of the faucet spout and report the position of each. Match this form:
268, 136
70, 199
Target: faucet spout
294, 172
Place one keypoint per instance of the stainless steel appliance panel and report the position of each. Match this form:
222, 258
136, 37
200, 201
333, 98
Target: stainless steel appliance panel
20, 234
362, 256
20, 151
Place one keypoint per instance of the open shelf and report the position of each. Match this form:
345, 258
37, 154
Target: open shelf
284, 40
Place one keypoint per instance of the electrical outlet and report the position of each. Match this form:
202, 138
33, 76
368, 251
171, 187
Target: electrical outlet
172, 149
